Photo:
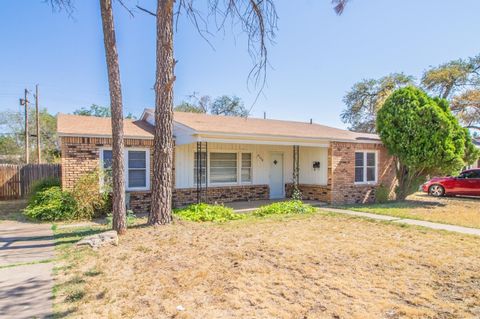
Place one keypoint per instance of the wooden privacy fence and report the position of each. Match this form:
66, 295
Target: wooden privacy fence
17, 180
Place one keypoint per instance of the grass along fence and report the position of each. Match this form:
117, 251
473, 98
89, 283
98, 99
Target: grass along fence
17, 180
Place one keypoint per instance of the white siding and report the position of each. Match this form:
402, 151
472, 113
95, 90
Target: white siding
184, 162
309, 175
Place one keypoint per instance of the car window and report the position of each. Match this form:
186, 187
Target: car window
470, 174
475, 174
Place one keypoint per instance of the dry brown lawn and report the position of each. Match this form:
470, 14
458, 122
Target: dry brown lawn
462, 211
316, 266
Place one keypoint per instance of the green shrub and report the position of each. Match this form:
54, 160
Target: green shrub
207, 213
289, 207
91, 200
51, 204
382, 194
41, 185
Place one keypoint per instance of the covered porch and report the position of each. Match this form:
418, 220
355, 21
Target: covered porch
252, 172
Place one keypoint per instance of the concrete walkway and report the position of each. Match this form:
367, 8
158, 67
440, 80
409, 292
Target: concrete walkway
452, 228
26, 253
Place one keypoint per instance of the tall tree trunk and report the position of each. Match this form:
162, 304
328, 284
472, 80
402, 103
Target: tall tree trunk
409, 180
118, 165
162, 185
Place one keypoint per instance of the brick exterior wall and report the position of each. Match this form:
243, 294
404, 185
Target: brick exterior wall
140, 201
342, 173
310, 192
224, 194
81, 155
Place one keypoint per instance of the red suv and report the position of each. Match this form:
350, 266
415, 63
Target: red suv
467, 183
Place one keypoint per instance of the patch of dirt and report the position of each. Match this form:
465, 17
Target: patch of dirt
314, 266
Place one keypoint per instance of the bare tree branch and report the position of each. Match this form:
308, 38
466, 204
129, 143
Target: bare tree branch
146, 11
62, 5
339, 6
475, 127
126, 8
256, 18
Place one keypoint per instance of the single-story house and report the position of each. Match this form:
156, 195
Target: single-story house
224, 159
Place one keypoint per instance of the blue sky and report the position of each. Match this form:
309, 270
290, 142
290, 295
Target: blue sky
317, 56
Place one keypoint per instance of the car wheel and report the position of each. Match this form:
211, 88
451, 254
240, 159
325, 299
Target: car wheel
436, 190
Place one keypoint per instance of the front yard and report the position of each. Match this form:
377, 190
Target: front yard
462, 211
306, 266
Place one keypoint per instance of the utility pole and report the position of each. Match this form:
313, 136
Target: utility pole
38, 125
25, 102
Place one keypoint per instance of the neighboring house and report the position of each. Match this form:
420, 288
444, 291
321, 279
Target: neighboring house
224, 159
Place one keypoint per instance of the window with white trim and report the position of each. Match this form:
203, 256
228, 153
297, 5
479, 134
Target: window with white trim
223, 168
137, 168
365, 167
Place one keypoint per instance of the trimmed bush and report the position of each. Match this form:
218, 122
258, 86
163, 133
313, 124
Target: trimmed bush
207, 213
284, 208
51, 204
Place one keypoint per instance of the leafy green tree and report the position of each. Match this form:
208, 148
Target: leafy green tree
366, 97
94, 110
98, 111
188, 107
222, 105
466, 106
231, 106
424, 136
459, 82
12, 142
10, 152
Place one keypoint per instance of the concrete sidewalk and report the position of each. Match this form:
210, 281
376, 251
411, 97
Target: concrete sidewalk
452, 228
26, 253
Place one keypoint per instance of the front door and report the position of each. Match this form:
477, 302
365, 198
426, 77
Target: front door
277, 187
